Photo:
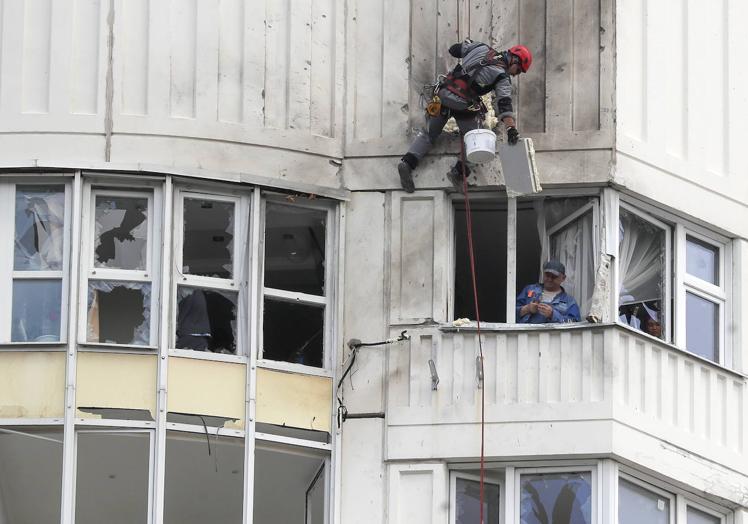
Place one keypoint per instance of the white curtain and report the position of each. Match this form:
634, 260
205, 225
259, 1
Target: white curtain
641, 247
573, 245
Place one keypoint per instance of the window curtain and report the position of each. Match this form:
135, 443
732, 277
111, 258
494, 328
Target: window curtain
573, 245
641, 247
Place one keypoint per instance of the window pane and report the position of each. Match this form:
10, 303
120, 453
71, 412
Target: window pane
467, 502
39, 231
283, 478
119, 312
36, 310
573, 246
489, 241
315, 499
112, 481
702, 260
637, 505
293, 332
295, 249
702, 327
556, 497
208, 238
121, 232
642, 265
206, 320
696, 516
218, 478
30, 475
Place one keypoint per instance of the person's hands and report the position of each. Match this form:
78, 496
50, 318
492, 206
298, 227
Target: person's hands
512, 135
545, 309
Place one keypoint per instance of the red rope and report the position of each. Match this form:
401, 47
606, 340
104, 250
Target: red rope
471, 252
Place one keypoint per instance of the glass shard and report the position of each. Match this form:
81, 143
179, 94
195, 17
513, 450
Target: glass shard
121, 236
208, 238
556, 497
39, 228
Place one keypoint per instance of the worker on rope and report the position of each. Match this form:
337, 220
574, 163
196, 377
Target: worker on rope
458, 94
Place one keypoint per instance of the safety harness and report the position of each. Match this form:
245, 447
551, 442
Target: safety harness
463, 81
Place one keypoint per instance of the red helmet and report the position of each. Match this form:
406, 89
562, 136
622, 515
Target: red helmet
524, 55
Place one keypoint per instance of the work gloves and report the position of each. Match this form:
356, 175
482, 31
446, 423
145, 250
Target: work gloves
512, 135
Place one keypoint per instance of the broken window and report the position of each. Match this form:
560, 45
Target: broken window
113, 477
291, 485
38, 264
643, 252
206, 320
556, 497
208, 238
120, 294
121, 232
466, 507
637, 504
295, 284
210, 466
302, 344
119, 312
547, 227
210, 275
30, 474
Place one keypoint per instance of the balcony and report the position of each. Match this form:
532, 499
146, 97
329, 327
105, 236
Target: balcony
571, 390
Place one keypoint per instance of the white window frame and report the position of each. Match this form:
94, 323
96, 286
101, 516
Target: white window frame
151, 461
7, 238
595, 492
150, 275
667, 287
511, 249
457, 474
672, 498
327, 301
237, 284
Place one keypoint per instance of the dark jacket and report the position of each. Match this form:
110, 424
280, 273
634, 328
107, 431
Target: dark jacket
565, 308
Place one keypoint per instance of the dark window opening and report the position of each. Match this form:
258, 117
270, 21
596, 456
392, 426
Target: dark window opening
121, 232
119, 312
206, 320
208, 238
293, 332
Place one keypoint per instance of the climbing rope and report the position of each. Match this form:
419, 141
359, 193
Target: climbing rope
471, 253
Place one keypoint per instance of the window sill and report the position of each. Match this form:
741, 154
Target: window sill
294, 368
34, 346
207, 355
94, 347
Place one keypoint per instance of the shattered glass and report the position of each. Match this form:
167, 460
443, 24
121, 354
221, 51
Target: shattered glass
36, 310
295, 249
293, 332
119, 312
467, 501
39, 228
556, 497
121, 232
206, 320
208, 238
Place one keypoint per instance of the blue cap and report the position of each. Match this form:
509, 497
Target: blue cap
555, 267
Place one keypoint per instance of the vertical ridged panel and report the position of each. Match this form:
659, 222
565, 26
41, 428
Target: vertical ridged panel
532, 93
528, 366
713, 30
423, 41
447, 32
631, 99
276, 64
132, 44
560, 64
395, 68
417, 244
368, 30
254, 63
420, 378
298, 87
458, 368
549, 383
230, 61
444, 367
36, 52
490, 361
586, 65
84, 95
324, 50
571, 368
676, 81
183, 47
206, 52
508, 370
398, 379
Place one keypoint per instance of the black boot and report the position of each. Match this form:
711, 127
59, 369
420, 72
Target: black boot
405, 169
456, 175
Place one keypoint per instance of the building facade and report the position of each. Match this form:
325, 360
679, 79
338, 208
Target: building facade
202, 215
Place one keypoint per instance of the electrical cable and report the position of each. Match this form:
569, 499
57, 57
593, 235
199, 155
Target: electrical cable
471, 253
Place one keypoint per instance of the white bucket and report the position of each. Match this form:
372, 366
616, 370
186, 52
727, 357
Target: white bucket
480, 145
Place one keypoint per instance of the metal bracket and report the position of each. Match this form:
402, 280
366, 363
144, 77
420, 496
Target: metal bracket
479, 371
434, 375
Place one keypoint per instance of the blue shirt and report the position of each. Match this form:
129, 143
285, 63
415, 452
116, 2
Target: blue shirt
565, 308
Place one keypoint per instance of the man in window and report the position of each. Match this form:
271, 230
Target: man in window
547, 302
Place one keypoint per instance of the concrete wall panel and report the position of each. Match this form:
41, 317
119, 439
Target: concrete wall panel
32, 385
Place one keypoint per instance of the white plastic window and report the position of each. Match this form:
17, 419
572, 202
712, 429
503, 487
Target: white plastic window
639, 502
296, 290
121, 257
560, 495
34, 264
211, 238
465, 499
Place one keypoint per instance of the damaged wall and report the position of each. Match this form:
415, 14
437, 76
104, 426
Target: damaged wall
32, 384
294, 400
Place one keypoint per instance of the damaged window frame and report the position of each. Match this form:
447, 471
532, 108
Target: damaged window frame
680, 282
8, 190
456, 474
325, 301
150, 275
594, 205
236, 284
